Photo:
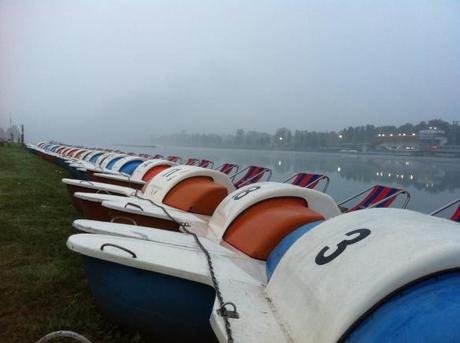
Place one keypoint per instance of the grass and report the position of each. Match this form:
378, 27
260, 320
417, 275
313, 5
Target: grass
42, 284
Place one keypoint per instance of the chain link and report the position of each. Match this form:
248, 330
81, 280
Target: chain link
215, 282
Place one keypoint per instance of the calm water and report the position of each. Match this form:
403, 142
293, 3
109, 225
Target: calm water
432, 182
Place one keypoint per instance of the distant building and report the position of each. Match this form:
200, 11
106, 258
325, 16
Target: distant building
432, 138
398, 142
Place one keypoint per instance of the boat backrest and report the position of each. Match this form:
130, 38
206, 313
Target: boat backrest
113, 161
257, 230
228, 168
168, 181
378, 193
148, 169
250, 175
173, 158
253, 204
191, 162
308, 180
206, 164
130, 166
199, 194
377, 196
456, 215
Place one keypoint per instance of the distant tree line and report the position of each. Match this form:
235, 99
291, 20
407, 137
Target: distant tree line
285, 139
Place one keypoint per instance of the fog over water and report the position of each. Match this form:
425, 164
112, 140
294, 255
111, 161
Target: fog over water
108, 71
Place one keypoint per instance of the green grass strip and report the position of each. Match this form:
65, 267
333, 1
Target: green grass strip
42, 284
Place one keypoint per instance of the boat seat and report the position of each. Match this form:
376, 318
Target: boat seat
200, 195
262, 226
154, 171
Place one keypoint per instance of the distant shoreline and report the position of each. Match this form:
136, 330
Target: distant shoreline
349, 153
136, 145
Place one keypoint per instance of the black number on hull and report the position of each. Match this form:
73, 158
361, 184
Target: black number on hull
321, 258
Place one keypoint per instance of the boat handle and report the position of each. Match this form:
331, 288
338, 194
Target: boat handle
134, 205
119, 247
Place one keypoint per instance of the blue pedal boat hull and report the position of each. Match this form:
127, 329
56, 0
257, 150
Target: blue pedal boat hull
158, 306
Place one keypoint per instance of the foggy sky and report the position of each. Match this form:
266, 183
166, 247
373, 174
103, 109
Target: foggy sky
108, 71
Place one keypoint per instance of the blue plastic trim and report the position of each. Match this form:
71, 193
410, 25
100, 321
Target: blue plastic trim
112, 162
130, 167
95, 157
279, 251
426, 312
161, 307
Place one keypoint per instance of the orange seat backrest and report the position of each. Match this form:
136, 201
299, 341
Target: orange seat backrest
199, 194
154, 171
259, 229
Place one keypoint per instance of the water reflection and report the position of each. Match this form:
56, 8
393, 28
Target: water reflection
438, 178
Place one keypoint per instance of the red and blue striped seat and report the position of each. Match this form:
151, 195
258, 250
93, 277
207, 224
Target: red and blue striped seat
308, 180
455, 215
377, 196
173, 158
206, 164
251, 174
228, 168
191, 161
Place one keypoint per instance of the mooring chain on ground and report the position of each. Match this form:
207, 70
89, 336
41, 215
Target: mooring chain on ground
63, 334
222, 304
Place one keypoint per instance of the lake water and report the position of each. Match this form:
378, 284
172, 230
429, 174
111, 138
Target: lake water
432, 182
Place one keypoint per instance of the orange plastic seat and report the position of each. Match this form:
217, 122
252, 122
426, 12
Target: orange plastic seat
261, 227
154, 171
199, 195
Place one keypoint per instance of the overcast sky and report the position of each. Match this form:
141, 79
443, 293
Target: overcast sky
111, 71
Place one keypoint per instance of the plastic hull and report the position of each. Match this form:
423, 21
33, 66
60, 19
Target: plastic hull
153, 222
161, 307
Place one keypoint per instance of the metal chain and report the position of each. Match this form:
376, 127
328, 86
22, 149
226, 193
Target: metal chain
220, 298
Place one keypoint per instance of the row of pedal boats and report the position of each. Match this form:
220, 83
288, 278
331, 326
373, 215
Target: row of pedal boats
288, 265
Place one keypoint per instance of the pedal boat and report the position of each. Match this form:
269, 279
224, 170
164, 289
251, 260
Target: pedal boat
394, 275
181, 189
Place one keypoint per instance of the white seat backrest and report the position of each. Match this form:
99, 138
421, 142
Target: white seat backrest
238, 201
146, 166
162, 183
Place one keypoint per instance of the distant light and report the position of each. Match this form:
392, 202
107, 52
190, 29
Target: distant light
399, 134
379, 135
413, 134
391, 135
280, 163
411, 177
383, 135
403, 134
340, 136
389, 174
339, 169
402, 176
281, 138
377, 173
